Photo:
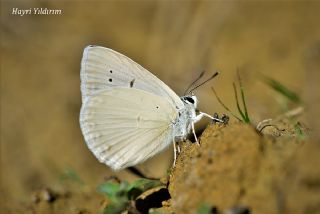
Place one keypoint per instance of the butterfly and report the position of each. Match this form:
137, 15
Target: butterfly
129, 115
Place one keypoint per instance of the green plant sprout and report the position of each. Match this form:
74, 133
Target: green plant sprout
243, 113
121, 194
278, 87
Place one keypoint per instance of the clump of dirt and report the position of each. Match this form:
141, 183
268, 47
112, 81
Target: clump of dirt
236, 166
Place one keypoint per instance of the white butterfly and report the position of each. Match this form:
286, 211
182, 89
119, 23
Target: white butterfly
128, 115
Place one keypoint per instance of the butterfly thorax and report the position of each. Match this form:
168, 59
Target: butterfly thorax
186, 115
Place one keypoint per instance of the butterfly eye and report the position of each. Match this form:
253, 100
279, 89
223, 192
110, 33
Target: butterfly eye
189, 99
110, 80
111, 71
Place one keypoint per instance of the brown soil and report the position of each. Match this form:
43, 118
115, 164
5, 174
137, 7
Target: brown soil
235, 166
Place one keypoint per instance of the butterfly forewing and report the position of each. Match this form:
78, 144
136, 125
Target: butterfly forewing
126, 126
106, 69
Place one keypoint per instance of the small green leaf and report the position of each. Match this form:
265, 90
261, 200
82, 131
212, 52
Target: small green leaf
145, 184
141, 185
111, 189
121, 194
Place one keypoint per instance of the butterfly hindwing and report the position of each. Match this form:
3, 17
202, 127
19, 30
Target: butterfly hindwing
126, 126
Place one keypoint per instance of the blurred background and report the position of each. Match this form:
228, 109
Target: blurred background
41, 142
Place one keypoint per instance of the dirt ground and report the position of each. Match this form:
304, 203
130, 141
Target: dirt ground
45, 164
238, 167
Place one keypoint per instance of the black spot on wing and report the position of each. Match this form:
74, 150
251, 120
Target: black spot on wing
110, 79
131, 83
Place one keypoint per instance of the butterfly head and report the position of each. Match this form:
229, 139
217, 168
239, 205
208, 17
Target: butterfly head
190, 100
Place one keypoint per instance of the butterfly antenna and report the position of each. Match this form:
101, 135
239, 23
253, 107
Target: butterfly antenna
199, 77
210, 78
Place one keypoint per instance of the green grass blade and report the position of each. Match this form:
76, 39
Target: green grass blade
281, 89
237, 101
247, 119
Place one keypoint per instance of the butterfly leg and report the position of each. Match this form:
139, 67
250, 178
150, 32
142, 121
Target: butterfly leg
197, 119
174, 153
194, 133
202, 114
178, 148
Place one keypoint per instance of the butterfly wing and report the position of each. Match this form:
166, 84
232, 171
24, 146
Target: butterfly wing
126, 126
105, 69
